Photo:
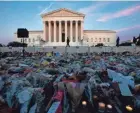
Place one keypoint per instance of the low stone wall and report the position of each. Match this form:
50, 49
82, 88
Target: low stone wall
72, 49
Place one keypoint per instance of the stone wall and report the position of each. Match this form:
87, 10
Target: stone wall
71, 49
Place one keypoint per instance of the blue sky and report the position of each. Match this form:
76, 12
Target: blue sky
124, 17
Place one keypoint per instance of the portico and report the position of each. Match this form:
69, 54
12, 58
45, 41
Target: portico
62, 24
58, 25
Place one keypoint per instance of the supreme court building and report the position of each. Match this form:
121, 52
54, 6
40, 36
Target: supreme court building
58, 25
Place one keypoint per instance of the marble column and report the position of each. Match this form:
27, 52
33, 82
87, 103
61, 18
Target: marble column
60, 33
76, 38
54, 31
81, 29
71, 34
65, 31
49, 30
45, 31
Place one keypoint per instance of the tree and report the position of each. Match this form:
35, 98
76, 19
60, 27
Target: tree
1, 45
134, 40
16, 44
138, 37
138, 42
125, 44
117, 42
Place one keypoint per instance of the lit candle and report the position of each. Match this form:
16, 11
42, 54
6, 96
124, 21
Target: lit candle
129, 108
84, 103
109, 106
95, 97
101, 105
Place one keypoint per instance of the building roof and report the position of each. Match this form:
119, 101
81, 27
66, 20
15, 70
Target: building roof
63, 9
99, 31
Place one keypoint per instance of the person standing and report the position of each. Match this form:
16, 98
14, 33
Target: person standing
68, 41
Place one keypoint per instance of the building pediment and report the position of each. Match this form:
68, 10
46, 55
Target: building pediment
62, 13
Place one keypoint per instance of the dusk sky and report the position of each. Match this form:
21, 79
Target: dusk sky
123, 17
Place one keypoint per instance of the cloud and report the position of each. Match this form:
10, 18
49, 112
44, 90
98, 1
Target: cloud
90, 9
128, 28
46, 9
122, 13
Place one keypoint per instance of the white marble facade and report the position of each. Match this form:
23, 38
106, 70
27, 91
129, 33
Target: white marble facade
61, 24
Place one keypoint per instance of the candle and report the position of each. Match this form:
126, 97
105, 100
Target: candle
95, 97
129, 108
109, 106
101, 105
84, 103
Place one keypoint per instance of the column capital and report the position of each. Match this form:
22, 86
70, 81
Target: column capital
71, 21
44, 22
59, 21
66, 22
